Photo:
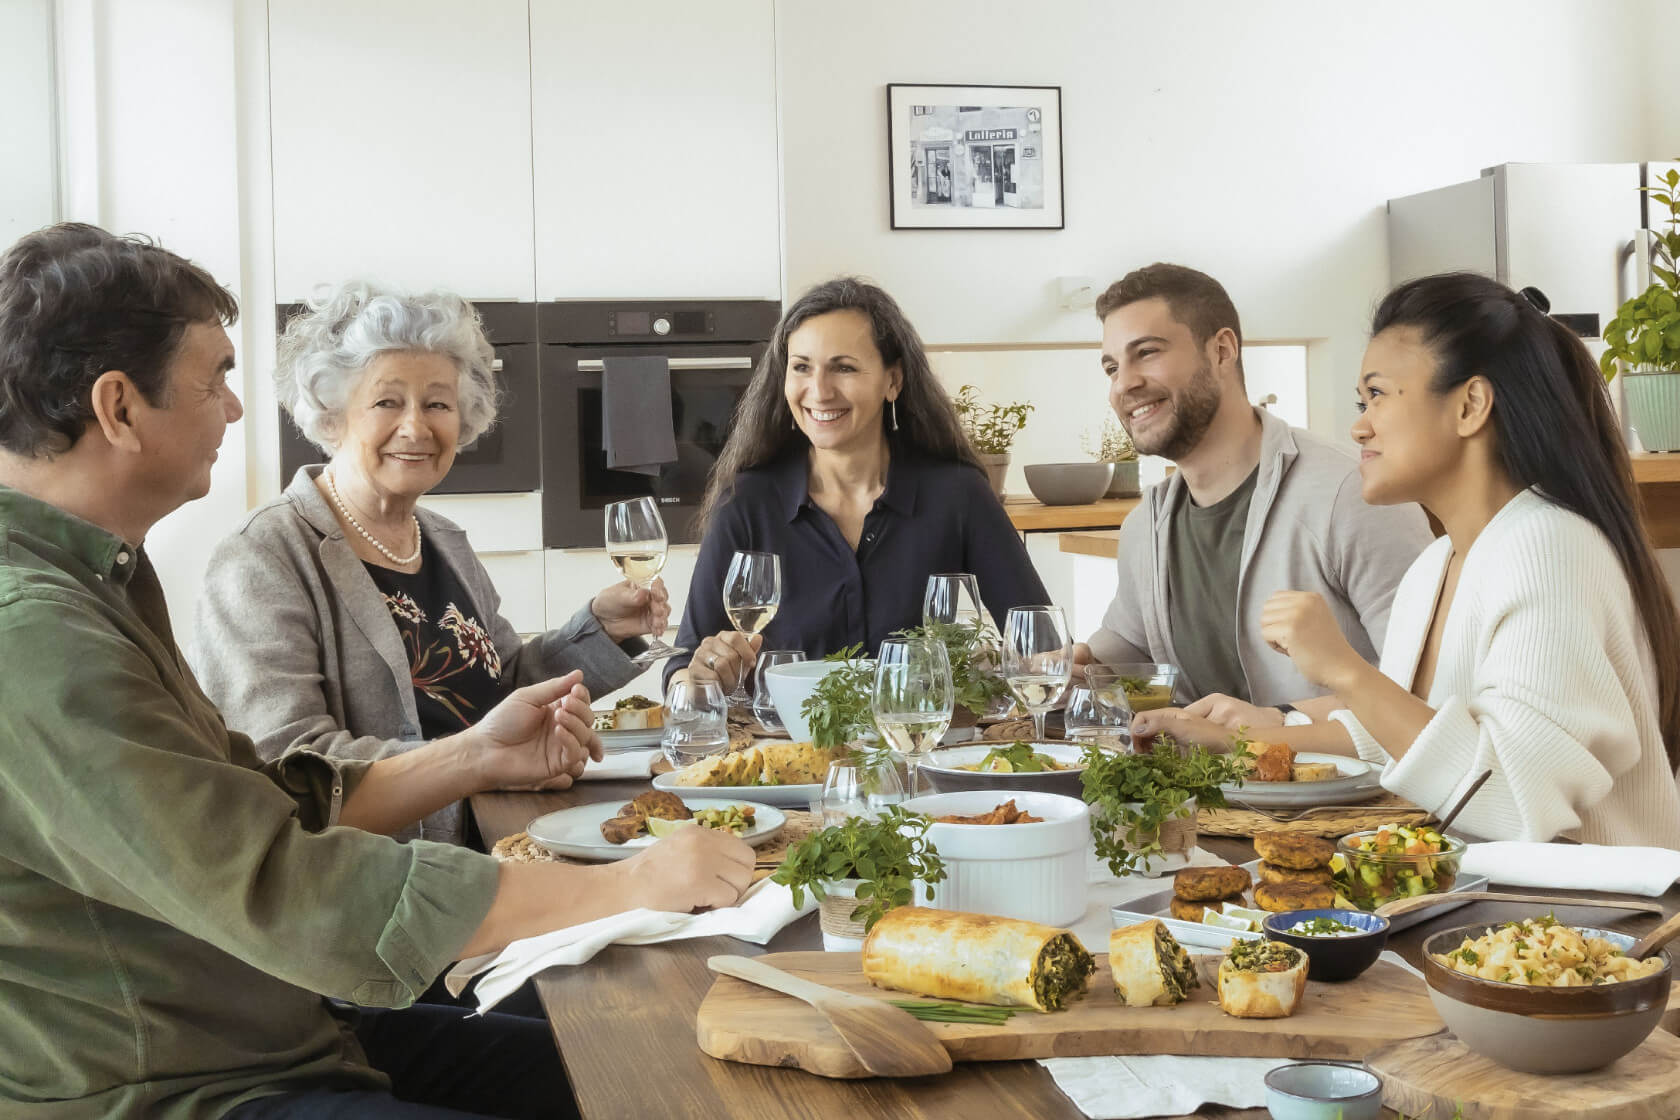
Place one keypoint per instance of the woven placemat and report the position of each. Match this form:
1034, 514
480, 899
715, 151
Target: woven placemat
1387, 809
520, 848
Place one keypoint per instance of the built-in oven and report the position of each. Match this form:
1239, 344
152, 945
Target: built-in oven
711, 349
507, 458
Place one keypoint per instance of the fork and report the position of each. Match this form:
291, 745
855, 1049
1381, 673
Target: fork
1302, 814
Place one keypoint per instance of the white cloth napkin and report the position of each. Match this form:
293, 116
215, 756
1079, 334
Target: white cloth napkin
1121, 1088
622, 764
1587, 867
762, 913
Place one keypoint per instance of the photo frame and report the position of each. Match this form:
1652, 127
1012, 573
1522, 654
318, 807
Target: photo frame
974, 157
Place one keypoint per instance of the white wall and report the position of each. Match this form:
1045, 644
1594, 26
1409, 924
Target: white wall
1257, 141
28, 158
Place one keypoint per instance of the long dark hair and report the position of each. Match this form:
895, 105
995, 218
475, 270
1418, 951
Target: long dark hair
762, 430
1548, 398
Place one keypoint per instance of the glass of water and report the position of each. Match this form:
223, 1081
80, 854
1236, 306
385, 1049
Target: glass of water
763, 707
857, 789
696, 722
1097, 712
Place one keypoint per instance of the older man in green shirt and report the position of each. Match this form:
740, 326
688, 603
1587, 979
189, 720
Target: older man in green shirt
172, 909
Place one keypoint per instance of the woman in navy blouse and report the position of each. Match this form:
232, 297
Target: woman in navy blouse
846, 460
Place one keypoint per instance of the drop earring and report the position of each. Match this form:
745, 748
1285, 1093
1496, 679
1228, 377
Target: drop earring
892, 408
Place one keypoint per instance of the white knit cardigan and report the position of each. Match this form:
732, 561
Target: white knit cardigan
1544, 676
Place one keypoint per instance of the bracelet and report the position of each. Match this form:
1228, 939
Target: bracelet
1284, 708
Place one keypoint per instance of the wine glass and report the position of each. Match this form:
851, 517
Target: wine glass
913, 697
763, 707
751, 592
953, 598
1097, 711
696, 722
1037, 659
857, 789
636, 544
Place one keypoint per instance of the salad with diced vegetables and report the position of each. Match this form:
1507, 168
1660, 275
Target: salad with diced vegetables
1395, 861
1017, 758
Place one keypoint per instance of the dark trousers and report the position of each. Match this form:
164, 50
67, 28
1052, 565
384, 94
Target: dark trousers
443, 1063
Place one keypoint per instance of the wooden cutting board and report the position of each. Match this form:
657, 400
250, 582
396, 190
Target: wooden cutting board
1439, 1076
742, 1022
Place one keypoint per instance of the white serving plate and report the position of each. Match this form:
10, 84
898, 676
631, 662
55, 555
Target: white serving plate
1358, 782
1035, 872
797, 796
637, 739
576, 832
1212, 937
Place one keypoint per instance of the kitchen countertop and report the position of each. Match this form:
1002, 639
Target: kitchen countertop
1658, 477
1029, 514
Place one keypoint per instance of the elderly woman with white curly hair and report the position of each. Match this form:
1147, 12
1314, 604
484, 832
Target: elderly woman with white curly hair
342, 617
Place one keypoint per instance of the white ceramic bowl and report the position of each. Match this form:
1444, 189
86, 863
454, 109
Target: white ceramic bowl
1030, 871
791, 683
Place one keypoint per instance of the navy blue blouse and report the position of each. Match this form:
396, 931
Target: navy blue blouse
933, 516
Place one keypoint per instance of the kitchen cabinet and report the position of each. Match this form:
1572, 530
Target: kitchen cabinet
655, 150
401, 136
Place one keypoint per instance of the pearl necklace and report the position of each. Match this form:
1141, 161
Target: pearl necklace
403, 561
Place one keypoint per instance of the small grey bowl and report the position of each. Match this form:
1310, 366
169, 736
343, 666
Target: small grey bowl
1323, 1091
1069, 484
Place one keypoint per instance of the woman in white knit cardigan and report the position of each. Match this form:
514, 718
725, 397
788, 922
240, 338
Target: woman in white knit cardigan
1537, 638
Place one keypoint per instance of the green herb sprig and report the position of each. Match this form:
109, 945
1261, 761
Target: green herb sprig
974, 656
1133, 795
937, 1012
838, 709
888, 853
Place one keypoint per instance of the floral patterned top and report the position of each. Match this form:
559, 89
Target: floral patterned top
456, 670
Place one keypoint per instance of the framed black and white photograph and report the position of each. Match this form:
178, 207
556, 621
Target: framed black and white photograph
975, 157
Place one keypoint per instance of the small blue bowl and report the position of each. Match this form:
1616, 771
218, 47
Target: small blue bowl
1332, 958
1323, 1091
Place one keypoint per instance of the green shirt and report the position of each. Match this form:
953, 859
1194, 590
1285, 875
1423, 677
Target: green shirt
1203, 562
169, 905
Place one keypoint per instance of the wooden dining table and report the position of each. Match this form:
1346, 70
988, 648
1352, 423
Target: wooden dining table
624, 1022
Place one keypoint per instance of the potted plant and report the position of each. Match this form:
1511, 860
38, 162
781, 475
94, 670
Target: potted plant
992, 429
977, 684
860, 869
1144, 805
1645, 335
1115, 446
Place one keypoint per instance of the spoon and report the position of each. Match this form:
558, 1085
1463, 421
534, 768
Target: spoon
1458, 806
1656, 939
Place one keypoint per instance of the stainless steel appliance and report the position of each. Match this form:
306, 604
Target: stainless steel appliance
712, 347
507, 458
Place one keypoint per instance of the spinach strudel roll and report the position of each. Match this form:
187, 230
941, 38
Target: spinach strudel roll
1151, 969
976, 957
1262, 980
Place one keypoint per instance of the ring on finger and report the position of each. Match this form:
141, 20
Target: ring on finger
711, 661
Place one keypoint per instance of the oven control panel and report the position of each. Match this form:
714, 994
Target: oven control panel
660, 324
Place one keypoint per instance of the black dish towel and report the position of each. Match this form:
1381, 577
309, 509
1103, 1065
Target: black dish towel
636, 428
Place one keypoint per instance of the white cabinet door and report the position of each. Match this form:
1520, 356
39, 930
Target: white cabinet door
656, 170
402, 145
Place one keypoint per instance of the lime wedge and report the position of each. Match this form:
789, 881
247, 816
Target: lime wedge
1252, 916
659, 826
1224, 921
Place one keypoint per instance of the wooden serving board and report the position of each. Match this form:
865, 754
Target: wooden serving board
742, 1022
1439, 1076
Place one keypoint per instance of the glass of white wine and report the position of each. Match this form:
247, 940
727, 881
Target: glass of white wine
636, 544
752, 590
912, 698
1037, 659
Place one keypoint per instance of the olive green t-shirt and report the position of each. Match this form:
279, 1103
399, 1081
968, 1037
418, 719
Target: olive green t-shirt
1203, 558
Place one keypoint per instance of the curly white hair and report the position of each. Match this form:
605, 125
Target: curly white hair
325, 352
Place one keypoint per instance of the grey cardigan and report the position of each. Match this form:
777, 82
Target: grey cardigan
295, 645
1308, 529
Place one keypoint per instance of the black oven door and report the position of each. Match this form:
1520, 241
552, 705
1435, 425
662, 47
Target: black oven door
707, 382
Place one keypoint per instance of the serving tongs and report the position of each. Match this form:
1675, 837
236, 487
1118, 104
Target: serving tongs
888, 1040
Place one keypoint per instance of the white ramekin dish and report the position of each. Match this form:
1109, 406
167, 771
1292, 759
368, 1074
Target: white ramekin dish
1031, 871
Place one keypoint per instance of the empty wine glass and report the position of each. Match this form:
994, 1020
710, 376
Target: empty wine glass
636, 544
752, 590
1037, 659
953, 598
763, 706
913, 698
696, 722
857, 789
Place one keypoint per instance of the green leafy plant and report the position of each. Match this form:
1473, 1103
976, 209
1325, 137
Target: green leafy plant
1133, 795
1646, 329
974, 656
990, 427
889, 853
838, 710
1113, 444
